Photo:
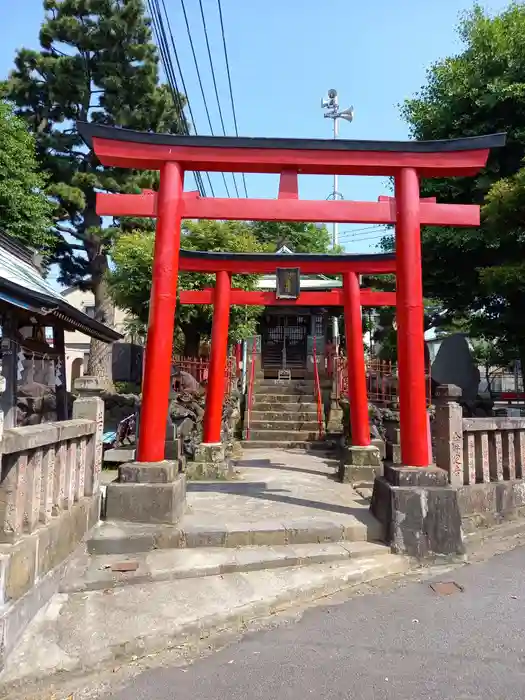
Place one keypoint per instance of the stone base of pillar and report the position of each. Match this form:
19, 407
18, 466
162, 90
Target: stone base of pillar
147, 492
335, 420
209, 462
235, 451
419, 511
360, 464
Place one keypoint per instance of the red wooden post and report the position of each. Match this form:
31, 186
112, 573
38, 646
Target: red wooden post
410, 326
156, 385
238, 359
356, 362
219, 347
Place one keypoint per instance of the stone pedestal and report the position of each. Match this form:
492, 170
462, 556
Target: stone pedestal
209, 462
360, 464
147, 492
419, 511
335, 418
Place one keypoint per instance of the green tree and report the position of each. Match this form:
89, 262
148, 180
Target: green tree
25, 211
96, 63
131, 278
477, 273
492, 356
301, 237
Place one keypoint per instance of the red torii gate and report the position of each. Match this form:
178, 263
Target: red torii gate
406, 162
345, 297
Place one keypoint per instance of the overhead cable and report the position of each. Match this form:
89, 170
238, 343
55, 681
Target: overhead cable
230, 84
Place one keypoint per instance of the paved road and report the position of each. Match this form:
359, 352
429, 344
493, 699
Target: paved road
407, 644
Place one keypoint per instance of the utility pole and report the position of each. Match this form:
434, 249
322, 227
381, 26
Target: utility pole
331, 105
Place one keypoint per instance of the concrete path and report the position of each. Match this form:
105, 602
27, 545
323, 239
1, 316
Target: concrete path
279, 497
407, 644
284, 532
278, 485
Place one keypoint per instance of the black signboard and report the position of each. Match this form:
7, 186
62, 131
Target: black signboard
288, 283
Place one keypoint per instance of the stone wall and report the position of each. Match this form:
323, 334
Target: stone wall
49, 499
484, 459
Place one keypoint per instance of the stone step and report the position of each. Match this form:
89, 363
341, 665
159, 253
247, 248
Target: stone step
292, 427
115, 537
279, 435
295, 383
100, 572
284, 389
302, 407
285, 445
284, 398
90, 630
295, 414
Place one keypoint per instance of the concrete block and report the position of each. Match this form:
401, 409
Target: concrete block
236, 452
164, 472
21, 568
418, 520
146, 502
301, 532
209, 453
208, 536
61, 536
360, 464
198, 470
416, 476
269, 532
381, 446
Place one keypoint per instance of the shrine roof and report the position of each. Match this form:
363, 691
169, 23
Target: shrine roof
88, 131
23, 285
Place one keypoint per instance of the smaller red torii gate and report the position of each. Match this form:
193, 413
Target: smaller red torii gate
222, 295
241, 297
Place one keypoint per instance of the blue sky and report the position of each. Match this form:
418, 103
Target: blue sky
284, 56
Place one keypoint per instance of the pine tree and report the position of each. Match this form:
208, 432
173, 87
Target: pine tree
25, 211
96, 62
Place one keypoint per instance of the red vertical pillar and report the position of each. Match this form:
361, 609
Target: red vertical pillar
410, 325
163, 299
238, 359
219, 347
357, 397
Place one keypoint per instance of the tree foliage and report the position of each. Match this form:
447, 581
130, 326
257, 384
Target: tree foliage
300, 237
131, 279
25, 211
478, 273
96, 63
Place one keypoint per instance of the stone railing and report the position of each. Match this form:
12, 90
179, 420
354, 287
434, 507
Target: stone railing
49, 500
477, 450
46, 469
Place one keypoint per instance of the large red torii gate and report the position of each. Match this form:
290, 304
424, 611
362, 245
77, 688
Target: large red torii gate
406, 162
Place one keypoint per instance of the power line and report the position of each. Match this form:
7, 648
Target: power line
362, 231
186, 94
230, 84
216, 89
160, 32
200, 80
162, 39
359, 240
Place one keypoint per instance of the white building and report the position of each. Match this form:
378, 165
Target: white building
77, 343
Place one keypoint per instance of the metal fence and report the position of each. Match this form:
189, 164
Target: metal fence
381, 380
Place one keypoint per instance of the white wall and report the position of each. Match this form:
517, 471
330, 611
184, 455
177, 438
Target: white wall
77, 343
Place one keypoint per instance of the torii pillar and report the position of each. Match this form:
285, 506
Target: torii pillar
361, 461
163, 302
410, 322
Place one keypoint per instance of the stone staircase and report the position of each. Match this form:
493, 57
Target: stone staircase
283, 414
